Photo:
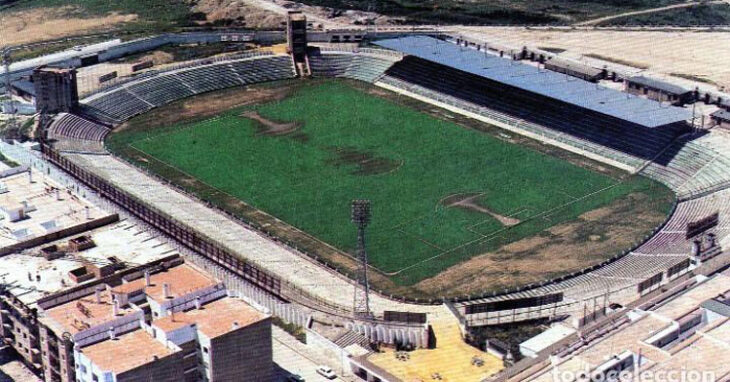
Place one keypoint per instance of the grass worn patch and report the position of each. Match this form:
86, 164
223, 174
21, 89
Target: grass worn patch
350, 144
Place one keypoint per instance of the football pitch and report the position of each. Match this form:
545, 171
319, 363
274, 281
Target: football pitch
441, 193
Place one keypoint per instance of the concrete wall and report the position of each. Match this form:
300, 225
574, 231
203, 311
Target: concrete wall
243, 355
330, 350
170, 368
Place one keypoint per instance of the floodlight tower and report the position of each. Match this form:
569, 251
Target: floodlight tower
361, 218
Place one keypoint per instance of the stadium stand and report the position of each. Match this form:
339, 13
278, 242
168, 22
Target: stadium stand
66, 125
693, 165
584, 125
357, 66
512, 75
72, 133
122, 102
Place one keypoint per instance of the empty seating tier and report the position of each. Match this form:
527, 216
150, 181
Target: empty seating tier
694, 165
349, 65
123, 102
71, 126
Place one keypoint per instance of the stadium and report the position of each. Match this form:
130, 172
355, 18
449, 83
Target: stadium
500, 189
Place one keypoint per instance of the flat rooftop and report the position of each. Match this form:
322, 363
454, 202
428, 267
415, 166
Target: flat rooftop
43, 212
182, 280
127, 242
86, 312
703, 350
218, 317
126, 352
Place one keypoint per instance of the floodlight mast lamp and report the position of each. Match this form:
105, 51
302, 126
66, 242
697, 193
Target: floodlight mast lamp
360, 215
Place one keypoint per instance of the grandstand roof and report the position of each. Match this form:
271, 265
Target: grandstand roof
547, 83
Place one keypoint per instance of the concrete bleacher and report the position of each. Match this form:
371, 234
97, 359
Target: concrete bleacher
66, 125
693, 165
352, 65
123, 102
72, 133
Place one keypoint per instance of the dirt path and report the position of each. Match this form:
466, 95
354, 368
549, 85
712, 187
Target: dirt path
271, 127
645, 11
468, 201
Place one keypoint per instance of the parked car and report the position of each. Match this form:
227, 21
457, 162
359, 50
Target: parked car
326, 372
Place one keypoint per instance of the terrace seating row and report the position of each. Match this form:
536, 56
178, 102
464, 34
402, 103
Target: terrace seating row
691, 165
71, 126
187, 64
349, 65
122, 103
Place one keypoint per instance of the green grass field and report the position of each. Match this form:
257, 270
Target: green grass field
304, 158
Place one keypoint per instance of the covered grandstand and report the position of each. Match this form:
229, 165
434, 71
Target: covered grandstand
526, 95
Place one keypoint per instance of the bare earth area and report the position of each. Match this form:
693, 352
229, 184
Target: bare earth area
40, 24
254, 17
697, 53
563, 247
270, 127
210, 104
468, 201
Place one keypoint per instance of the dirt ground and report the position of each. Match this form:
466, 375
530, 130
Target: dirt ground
254, 17
665, 53
468, 201
269, 127
562, 248
39, 24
